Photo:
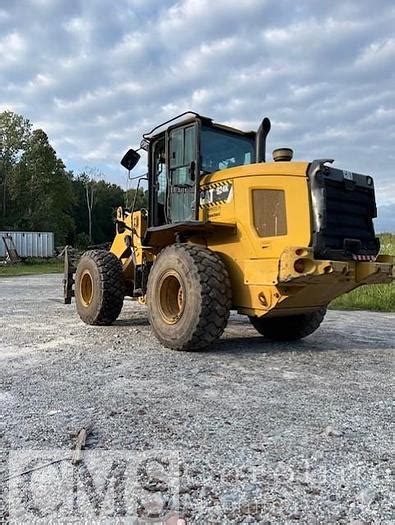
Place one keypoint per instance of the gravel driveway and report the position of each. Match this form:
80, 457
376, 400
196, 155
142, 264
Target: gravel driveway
247, 432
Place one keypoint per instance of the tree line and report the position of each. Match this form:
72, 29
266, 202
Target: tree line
38, 192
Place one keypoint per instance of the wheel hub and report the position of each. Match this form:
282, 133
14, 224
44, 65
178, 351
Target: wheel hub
171, 297
86, 288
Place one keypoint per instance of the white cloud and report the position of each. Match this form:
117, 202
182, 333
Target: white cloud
12, 48
376, 52
4, 15
78, 26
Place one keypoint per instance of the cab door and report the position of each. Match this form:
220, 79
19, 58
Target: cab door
158, 186
182, 147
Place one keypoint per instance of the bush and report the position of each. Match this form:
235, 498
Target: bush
82, 241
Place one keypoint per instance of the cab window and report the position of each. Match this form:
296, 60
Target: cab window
222, 149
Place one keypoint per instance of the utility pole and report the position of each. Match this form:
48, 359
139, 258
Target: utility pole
90, 200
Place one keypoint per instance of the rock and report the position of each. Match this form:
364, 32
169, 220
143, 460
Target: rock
331, 431
248, 519
366, 496
314, 490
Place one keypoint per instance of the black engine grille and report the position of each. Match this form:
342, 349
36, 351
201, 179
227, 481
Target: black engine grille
343, 211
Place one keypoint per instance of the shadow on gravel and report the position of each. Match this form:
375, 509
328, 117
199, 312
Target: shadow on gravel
137, 321
259, 345
325, 342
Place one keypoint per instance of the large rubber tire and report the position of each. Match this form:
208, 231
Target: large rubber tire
99, 288
188, 297
289, 328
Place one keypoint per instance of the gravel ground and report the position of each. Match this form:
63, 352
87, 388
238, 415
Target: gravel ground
249, 431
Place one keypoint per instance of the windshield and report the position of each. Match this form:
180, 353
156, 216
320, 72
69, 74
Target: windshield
222, 149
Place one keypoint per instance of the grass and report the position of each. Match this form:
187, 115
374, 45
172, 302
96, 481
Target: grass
377, 297
32, 266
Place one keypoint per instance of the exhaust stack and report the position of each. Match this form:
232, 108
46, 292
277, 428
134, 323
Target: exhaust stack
260, 140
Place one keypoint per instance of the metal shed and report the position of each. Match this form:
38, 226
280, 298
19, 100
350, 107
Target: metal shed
29, 244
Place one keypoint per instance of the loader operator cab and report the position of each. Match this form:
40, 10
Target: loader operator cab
183, 152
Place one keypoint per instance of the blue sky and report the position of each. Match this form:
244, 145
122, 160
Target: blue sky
96, 74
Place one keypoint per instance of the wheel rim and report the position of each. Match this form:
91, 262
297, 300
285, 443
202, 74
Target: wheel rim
86, 288
171, 297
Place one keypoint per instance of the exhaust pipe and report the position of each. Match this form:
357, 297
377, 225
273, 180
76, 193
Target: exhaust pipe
260, 140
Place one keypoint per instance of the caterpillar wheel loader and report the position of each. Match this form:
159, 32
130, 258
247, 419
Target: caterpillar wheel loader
226, 230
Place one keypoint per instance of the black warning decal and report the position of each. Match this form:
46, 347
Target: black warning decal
217, 193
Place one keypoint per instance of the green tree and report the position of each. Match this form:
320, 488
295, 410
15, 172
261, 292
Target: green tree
42, 189
38, 193
14, 133
89, 178
137, 197
79, 211
106, 198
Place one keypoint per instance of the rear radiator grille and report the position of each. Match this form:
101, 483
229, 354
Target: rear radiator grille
343, 213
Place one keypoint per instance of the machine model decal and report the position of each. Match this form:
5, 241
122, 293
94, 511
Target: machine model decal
217, 193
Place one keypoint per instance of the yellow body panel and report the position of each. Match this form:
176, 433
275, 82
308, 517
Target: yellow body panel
252, 261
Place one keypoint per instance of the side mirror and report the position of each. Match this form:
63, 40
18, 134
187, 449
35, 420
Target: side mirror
130, 159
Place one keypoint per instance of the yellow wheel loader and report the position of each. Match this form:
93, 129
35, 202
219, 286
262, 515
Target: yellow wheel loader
226, 230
